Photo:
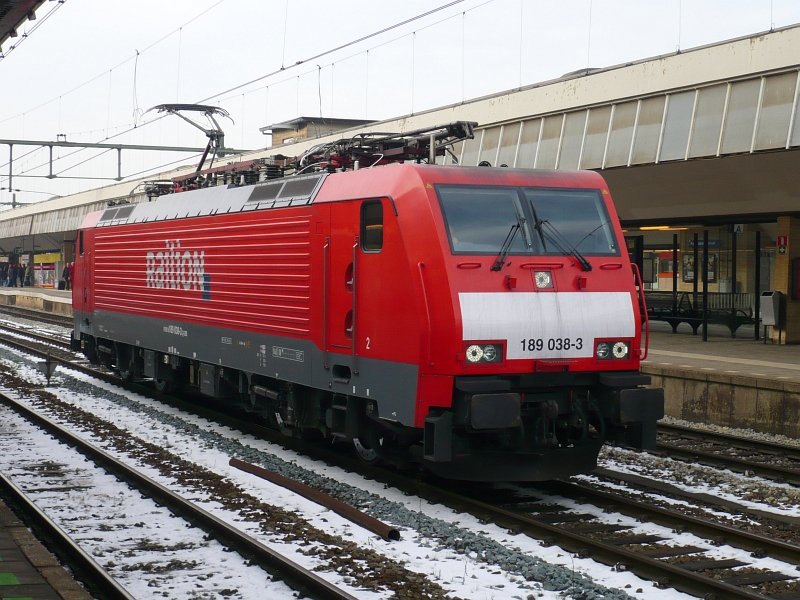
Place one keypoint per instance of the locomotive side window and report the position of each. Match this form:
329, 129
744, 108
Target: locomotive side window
372, 226
80, 242
574, 219
479, 219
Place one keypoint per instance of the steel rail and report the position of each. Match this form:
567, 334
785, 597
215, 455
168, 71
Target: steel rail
36, 315
98, 580
735, 463
295, 575
752, 542
733, 440
663, 573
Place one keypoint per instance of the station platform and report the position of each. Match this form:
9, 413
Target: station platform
27, 569
45, 299
742, 355
733, 382
739, 382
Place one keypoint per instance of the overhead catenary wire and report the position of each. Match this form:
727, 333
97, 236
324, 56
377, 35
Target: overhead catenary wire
336, 49
237, 87
59, 98
117, 66
342, 59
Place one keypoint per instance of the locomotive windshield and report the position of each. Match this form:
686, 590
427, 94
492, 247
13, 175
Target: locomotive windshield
551, 221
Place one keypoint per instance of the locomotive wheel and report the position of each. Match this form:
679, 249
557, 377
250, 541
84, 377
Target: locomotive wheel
126, 372
365, 453
125, 363
90, 352
369, 447
163, 386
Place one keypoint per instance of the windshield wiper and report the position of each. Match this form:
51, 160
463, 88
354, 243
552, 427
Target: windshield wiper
501, 257
562, 244
537, 225
588, 235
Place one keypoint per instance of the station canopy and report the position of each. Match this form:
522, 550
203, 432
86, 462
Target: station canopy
13, 14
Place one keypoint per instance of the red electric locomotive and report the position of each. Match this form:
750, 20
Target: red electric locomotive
484, 321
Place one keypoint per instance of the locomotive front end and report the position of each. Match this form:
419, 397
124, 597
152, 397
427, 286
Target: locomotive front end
549, 331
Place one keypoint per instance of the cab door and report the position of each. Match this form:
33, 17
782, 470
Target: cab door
356, 234
341, 279
82, 273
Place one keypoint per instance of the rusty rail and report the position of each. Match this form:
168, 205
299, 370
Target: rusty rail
350, 513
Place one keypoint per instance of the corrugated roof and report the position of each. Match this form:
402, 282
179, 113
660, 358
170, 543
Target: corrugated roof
13, 13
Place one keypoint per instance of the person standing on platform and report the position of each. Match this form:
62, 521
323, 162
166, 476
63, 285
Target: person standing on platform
66, 275
29, 275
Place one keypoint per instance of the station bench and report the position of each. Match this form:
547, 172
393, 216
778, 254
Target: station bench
724, 309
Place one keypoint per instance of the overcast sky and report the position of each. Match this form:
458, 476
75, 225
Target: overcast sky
92, 68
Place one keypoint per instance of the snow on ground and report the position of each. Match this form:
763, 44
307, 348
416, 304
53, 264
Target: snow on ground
462, 575
144, 546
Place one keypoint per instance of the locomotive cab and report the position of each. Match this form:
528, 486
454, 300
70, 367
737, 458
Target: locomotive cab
548, 328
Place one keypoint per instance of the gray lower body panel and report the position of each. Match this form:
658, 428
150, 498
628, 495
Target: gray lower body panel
391, 385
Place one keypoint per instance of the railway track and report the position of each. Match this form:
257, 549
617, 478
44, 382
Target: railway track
91, 574
707, 507
278, 565
352, 563
661, 558
675, 565
651, 556
744, 455
644, 509
778, 462
60, 342
36, 315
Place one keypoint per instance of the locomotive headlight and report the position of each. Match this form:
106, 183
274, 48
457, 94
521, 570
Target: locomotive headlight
482, 352
474, 353
543, 279
620, 350
612, 350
